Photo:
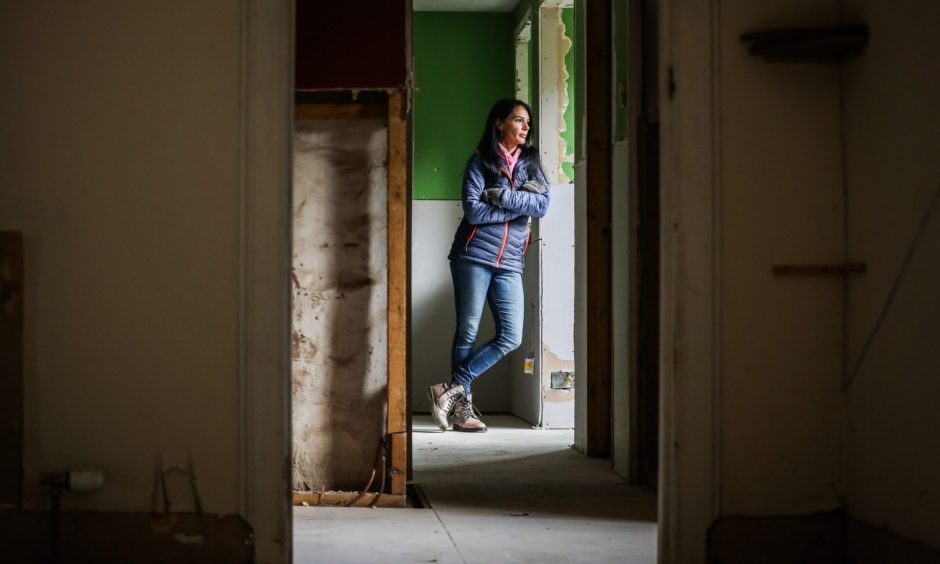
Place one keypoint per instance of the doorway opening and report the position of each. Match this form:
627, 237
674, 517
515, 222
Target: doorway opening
543, 396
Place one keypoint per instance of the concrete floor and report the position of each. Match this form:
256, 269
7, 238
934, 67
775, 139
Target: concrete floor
513, 494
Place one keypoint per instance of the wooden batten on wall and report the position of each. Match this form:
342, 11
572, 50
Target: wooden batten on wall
398, 245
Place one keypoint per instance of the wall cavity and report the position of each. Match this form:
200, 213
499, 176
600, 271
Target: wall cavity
340, 301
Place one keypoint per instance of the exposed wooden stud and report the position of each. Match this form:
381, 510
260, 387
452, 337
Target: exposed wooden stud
348, 499
598, 188
397, 424
333, 111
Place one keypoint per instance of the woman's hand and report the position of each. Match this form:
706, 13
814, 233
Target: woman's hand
534, 186
493, 196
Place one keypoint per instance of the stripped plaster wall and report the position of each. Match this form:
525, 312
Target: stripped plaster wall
121, 167
891, 126
339, 301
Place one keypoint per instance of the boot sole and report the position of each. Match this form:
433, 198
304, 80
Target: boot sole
462, 430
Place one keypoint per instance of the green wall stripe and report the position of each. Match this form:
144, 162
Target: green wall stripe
463, 63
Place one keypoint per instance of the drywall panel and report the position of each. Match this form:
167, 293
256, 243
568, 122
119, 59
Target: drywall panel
525, 388
782, 408
892, 136
340, 300
121, 168
557, 246
433, 316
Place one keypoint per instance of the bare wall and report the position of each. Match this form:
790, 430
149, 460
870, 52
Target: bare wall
120, 140
892, 135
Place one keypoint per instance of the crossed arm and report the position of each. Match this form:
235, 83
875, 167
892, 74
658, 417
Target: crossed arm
513, 204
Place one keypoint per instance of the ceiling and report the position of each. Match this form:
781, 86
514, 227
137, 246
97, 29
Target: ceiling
464, 5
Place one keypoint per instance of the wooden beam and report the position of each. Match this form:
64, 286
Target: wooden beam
397, 424
349, 499
598, 137
334, 111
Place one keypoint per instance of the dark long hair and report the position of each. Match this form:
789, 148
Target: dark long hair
488, 147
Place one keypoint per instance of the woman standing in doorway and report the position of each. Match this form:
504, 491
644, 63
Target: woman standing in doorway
503, 186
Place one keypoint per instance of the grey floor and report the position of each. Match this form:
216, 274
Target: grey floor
513, 494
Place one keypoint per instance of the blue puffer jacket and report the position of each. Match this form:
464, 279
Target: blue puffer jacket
497, 236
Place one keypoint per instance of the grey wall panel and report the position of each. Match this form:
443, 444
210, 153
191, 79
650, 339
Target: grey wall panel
432, 310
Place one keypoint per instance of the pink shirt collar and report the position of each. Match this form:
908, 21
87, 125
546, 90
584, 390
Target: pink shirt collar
509, 158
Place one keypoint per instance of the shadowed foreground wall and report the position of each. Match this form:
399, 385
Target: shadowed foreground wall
892, 136
120, 144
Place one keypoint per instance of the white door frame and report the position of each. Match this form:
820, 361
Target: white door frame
690, 322
267, 111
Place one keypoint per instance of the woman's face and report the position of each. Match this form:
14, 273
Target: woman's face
515, 127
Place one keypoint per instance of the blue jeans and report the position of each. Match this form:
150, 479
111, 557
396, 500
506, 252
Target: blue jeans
475, 283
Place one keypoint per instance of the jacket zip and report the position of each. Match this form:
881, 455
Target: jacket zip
470, 238
502, 248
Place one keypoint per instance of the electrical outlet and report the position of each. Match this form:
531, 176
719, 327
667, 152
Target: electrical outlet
562, 380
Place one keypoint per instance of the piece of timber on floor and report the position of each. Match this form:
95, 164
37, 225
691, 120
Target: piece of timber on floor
349, 499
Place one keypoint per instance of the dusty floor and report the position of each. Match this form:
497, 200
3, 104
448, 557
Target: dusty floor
513, 494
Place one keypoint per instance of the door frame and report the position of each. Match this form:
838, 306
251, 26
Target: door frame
264, 391
690, 295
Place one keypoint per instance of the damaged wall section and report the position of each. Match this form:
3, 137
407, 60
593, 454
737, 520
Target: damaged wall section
340, 300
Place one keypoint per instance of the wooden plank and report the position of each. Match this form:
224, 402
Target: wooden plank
334, 111
349, 499
397, 288
598, 136
11, 367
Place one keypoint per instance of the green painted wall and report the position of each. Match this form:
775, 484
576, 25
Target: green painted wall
567, 165
463, 63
